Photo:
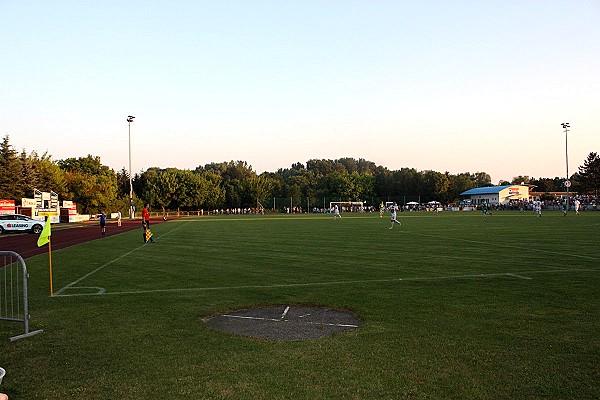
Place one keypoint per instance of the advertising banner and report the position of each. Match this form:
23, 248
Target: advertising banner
37, 195
28, 203
7, 206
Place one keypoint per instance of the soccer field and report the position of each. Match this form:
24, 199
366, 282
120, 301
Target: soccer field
450, 306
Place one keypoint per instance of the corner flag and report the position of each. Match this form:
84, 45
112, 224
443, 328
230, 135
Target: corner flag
45, 235
42, 240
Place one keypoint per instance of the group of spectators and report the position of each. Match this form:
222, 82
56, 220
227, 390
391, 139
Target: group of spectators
590, 203
239, 211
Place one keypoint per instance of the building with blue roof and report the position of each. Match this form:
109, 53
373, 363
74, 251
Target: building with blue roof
497, 194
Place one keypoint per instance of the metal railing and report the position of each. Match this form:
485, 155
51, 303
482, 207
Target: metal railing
14, 305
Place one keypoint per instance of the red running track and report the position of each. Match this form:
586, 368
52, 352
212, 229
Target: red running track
64, 236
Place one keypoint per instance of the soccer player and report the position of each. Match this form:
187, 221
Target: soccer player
146, 223
484, 207
393, 209
537, 208
577, 206
336, 213
381, 210
103, 223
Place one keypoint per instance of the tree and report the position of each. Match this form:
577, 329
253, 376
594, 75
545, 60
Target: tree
161, 189
261, 187
215, 193
544, 185
235, 175
92, 185
353, 186
123, 183
434, 185
29, 171
589, 174
518, 180
458, 184
11, 178
481, 179
52, 178
383, 182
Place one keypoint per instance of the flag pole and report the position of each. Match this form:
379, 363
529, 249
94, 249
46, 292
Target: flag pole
44, 238
50, 262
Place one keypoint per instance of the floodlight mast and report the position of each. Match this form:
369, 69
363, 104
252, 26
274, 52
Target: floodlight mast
131, 210
566, 127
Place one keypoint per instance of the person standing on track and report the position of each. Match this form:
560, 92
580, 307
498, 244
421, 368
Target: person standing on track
103, 223
146, 223
119, 218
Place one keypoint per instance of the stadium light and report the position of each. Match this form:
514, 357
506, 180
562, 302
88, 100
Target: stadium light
131, 211
566, 127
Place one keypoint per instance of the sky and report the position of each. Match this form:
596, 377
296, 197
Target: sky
457, 86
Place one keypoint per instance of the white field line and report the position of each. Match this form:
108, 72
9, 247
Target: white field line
508, 246
519, 276
71, 285
332, 283
329, 324
285, 312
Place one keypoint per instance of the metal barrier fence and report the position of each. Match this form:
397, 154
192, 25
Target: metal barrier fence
14, 305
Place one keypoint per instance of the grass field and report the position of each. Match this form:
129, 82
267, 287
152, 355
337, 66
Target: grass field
453, 306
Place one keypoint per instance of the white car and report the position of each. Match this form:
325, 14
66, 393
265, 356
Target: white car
20, 223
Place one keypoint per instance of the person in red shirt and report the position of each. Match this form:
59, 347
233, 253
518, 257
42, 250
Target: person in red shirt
146, 223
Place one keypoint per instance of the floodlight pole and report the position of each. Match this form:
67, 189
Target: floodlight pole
566, 127
131, 212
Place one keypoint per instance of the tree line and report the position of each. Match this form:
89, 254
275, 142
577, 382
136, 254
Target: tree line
234, 184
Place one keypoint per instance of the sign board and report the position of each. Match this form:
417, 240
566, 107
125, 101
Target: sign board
53, 200
567, 183
37, 195
7, 206
513, 191
28, 203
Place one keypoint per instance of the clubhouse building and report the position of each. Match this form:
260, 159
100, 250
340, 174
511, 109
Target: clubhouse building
497, 194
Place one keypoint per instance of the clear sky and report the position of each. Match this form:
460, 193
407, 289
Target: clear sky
443, 85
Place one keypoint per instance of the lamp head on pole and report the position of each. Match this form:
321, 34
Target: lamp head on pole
565, 125
130, 118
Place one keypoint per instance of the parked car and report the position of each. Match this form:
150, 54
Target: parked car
20, 223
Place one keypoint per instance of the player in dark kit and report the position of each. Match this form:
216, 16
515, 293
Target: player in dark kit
103, 223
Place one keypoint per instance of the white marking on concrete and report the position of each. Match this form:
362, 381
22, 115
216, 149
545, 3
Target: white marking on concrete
281, 320
285, 312
246, 317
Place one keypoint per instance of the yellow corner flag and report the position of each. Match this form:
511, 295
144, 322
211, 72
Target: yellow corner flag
45, 235
44, 239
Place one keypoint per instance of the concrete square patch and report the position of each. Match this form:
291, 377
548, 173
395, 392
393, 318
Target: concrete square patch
284, 322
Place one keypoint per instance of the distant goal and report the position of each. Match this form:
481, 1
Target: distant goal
348, 206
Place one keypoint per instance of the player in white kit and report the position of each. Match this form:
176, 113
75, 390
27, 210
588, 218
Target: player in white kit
393, 209
336, 213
